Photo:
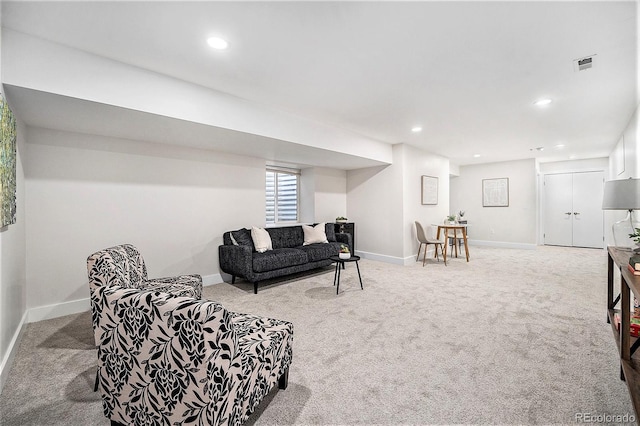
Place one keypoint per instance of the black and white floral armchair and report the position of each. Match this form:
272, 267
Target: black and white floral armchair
172, 360
123, 265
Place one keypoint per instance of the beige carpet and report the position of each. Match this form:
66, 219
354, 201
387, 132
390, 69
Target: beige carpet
512, 337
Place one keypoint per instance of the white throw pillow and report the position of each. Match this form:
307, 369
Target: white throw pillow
261, 239
314, 234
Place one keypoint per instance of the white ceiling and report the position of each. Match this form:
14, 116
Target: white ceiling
467, 72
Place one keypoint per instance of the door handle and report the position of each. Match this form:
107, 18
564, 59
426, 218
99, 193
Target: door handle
568, 213
576, 213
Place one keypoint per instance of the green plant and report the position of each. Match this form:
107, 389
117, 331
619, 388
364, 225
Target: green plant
451, 217
635, 236
341, 218
344, 248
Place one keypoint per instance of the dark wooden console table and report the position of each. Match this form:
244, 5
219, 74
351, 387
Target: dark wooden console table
627, 345
347, 228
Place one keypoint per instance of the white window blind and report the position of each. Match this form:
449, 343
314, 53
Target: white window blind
282, 196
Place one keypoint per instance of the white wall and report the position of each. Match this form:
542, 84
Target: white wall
624, 159
574, 166
330, 194
418, 163
13, 263
624, 162
385, 201
513, 226
307, 199
374, 203
323, 194
85, 193
13, 270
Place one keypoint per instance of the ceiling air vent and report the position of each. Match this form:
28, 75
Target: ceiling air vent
582, 64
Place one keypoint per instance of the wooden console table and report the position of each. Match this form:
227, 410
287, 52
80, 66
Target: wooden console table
627, 345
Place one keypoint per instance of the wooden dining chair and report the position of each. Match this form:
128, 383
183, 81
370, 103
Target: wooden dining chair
424, 240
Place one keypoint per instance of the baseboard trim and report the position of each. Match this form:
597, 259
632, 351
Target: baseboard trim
7, 362
430, 255
212, 279
410, 260
381, 257
42, 313
76, 306
404, 261
502, 244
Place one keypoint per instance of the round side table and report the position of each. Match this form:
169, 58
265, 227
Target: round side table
340, 262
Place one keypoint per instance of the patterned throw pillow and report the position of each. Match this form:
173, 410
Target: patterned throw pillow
314, 234
330, 230
242, 237
261, 239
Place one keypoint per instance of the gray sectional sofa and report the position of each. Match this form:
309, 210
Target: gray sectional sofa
239, 258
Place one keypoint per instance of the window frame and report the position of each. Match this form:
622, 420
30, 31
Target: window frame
282, 171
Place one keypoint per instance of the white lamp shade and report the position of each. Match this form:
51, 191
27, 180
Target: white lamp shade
623, 194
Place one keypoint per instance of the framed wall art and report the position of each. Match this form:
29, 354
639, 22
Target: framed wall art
7, 165
495, 192
429, 190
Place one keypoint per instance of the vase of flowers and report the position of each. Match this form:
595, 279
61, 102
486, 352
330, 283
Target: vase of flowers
344, 252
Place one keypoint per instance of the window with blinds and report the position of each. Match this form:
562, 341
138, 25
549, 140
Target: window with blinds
282, 196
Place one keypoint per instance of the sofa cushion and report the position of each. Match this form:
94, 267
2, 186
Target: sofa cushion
261, 239
314, 234
316, 252
243, 238
278, 258
286, 236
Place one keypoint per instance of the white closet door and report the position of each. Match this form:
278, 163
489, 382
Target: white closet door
558, 209
573, 209
588, 218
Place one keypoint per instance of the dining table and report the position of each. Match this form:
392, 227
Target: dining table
454, 228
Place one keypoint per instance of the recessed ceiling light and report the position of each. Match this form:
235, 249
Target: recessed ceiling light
560, 146
416, 129
476, 155
217, 43
542, 102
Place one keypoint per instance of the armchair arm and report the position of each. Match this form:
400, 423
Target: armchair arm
181, 285
236, 260
164, 358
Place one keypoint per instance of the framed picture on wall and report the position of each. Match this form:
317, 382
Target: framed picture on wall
495, 192
429, 190
7, 165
